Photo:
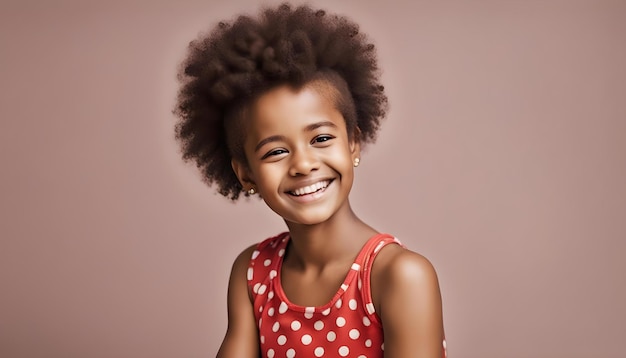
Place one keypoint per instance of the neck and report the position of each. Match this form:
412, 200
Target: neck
335, 240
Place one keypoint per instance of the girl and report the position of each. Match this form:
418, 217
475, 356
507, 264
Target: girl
279, 106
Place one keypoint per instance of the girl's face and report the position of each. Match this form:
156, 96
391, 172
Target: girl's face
300, 158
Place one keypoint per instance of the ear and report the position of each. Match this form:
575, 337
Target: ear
355, 144
243, 174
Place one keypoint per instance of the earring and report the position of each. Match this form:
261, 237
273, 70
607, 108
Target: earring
356, 162
251, 191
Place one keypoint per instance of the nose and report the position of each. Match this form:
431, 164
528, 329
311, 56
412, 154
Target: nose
303, 162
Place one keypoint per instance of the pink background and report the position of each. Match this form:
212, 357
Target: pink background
503, 160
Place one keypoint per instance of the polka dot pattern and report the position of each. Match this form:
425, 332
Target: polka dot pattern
340, 321
347, 326
282, 339
319, 325
295, 325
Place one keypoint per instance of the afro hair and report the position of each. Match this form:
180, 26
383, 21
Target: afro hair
227, 69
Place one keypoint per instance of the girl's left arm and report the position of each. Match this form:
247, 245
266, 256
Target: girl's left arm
410, 307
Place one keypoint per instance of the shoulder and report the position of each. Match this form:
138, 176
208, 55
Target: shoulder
408, 303
241, 336
243, 259
239, 271
242, 267
397, 267
252, 251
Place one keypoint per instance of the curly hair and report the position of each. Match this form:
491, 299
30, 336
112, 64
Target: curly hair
226, 70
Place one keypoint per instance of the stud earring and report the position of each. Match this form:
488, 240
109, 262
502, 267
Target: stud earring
356, 162
251, 191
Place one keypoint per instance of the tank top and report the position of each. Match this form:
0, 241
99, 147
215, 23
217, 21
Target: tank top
347, 326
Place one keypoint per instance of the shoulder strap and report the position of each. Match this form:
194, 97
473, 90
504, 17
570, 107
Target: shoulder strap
263, 261
371, 250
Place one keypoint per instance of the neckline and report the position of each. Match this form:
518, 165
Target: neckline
359, 260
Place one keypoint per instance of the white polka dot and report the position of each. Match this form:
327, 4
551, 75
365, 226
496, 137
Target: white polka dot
291, 353
326, 311
344, 287
267, 262
261, 309
368, 343
262, 289
352, 304
281, 252
270, 312
354, 333
370, 308
319, 325
270, 295
260, 320
308, 312
295, 325
307, 339
344, 351
361, 356
255, 289
262, 339
366, 321
331, 336
319, 351
281, 340
338, 303
255, 254
356, 266
379, 246
275, 327
250, 273
340, 321
273, 274
382, 346
270, 353
282, 308
360, 283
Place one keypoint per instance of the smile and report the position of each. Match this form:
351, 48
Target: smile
310, 189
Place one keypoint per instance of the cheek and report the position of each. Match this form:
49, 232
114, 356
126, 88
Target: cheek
269, 177
344, 157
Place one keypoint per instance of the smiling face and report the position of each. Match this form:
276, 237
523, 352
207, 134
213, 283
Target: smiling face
300, 157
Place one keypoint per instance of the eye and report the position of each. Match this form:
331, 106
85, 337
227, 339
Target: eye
322, 138
274, 152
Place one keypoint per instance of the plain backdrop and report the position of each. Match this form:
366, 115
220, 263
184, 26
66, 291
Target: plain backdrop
503, 160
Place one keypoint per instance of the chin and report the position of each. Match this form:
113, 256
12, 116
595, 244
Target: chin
307, 214
311, 218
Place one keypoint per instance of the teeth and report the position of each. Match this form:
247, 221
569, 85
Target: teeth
311, 188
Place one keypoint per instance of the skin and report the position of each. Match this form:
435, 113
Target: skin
295, 138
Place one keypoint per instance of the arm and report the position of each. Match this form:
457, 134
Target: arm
242, 338
410, 305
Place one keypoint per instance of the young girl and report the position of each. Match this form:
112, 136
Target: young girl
279, 106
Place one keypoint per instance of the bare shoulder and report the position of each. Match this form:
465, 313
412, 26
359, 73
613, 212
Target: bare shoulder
243, 259
241, 339
406, 295
396, 265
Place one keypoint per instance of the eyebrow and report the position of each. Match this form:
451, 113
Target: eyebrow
309, 128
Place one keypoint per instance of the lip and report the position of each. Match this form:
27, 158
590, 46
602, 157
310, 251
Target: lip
305, 198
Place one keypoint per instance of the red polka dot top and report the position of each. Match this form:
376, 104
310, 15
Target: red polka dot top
347, 326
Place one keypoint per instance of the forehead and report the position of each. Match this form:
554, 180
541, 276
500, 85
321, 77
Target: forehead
285, 108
